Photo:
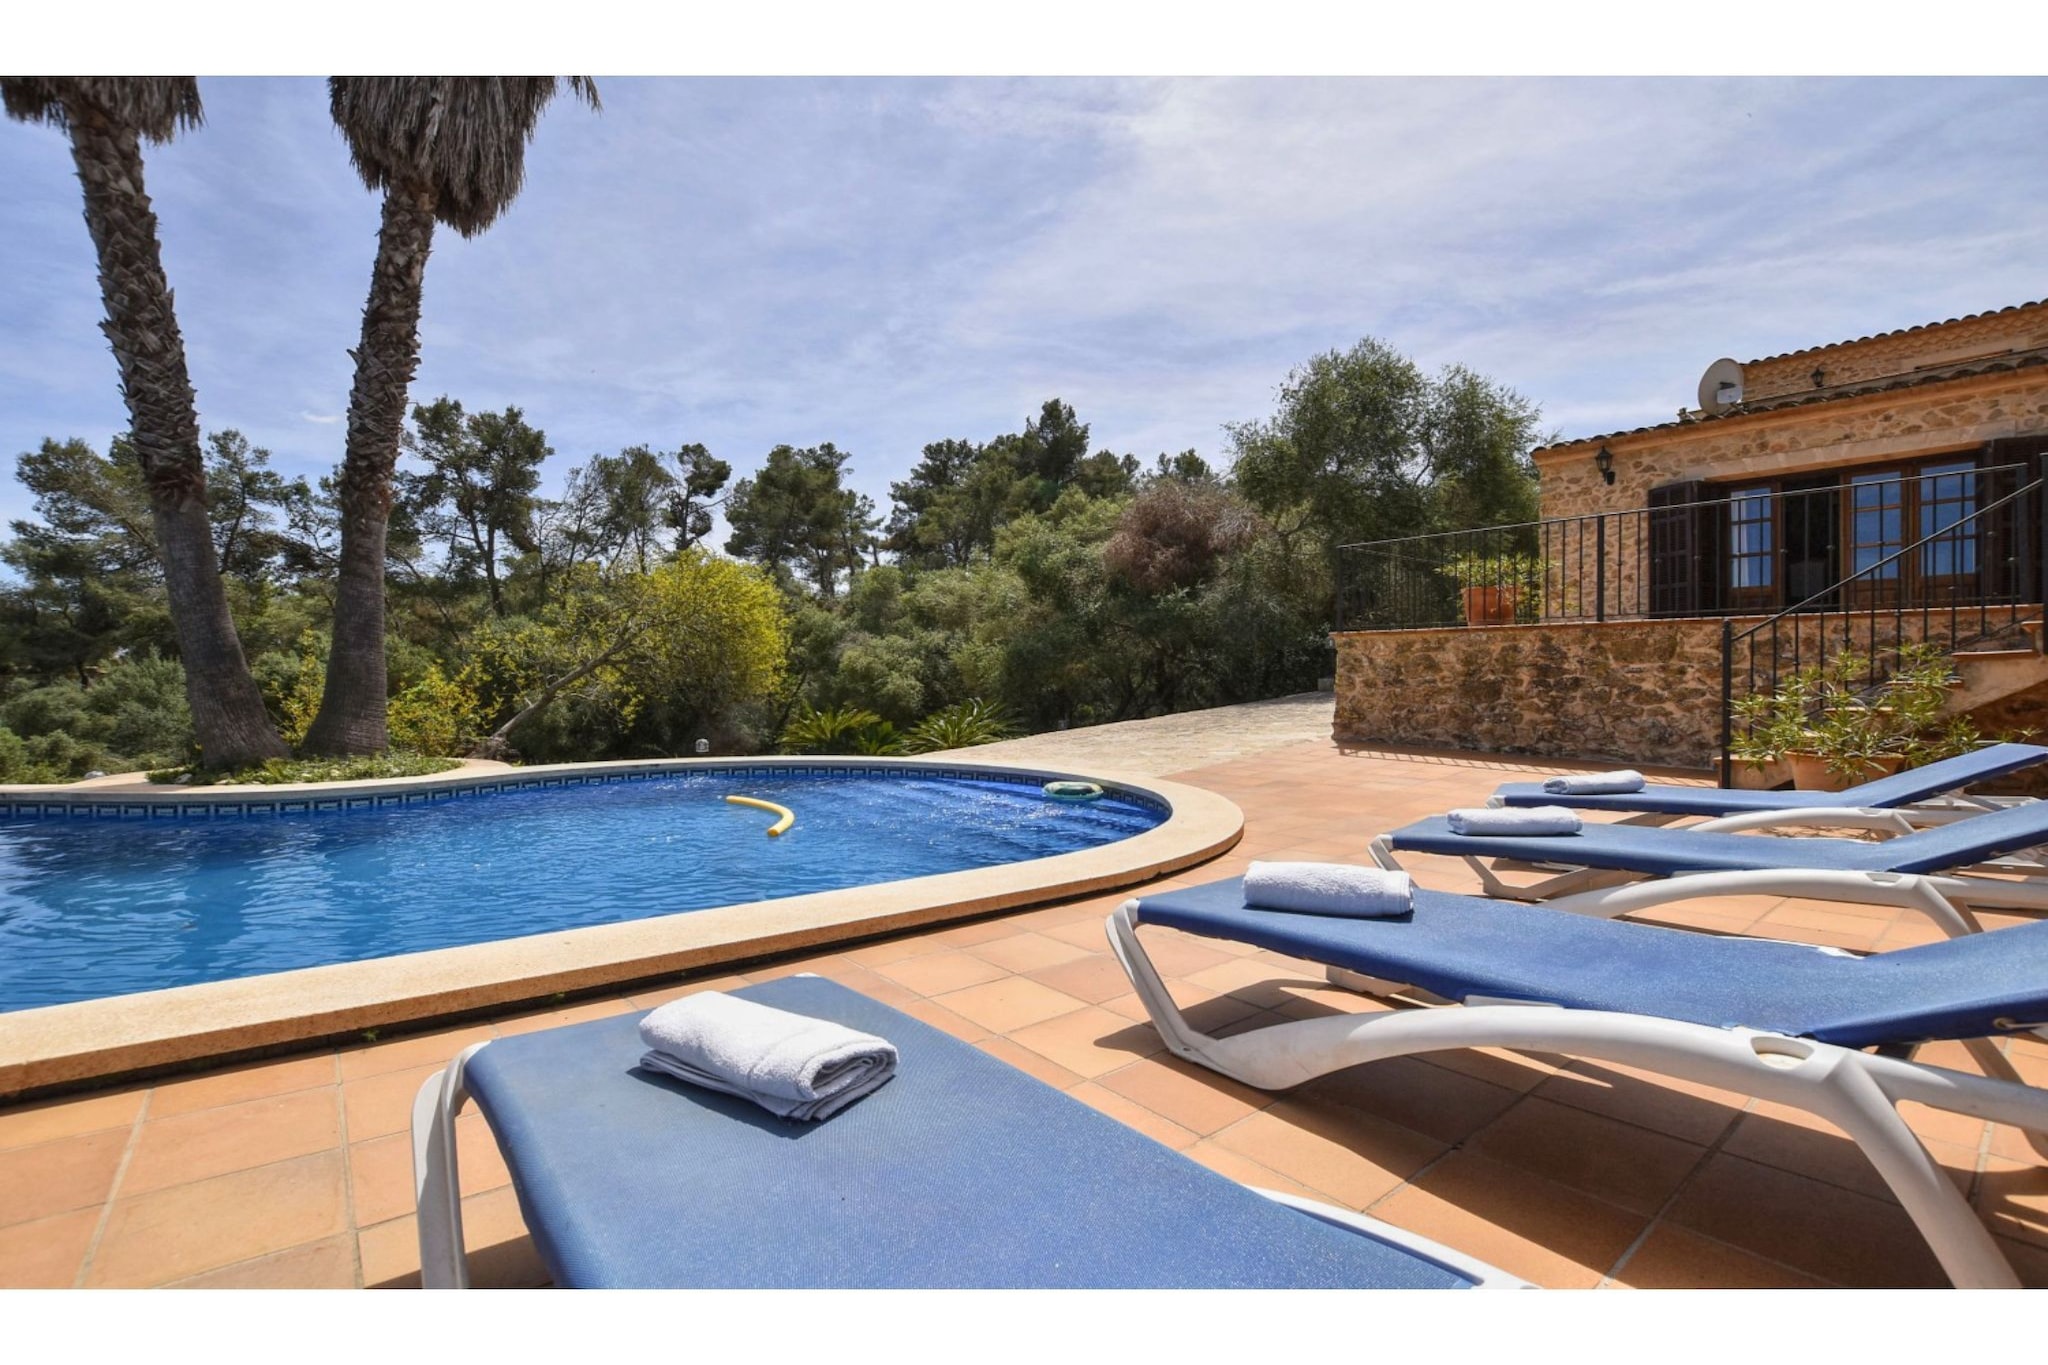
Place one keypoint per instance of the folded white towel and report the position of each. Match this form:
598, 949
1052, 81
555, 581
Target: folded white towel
1514, 820
790, 1064
1595, 784
1328, 889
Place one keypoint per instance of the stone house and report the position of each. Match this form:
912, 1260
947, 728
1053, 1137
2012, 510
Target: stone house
1875, 478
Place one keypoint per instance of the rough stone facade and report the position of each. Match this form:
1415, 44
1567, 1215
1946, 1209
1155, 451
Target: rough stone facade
1637, 691
1634, 691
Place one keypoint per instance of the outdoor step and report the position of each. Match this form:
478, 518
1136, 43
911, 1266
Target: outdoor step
1988, 655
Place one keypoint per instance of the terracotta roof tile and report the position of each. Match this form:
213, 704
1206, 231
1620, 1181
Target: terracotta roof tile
1898, 332
2025, 360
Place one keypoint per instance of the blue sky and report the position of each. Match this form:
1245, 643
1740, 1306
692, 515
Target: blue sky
882, 263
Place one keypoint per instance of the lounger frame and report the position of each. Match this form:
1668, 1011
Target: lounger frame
1949, 899
1857, 1092
444, 1259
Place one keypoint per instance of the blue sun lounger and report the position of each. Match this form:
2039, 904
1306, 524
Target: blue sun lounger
1780, 1021
1765, 864
1660, 803
960, 1172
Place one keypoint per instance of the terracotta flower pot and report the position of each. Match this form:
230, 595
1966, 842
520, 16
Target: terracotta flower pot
1810, 772
1493, 606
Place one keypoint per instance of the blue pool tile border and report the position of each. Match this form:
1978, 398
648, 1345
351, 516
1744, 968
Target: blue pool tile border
182, 807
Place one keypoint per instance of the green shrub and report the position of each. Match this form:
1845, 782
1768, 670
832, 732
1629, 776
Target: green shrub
960, 727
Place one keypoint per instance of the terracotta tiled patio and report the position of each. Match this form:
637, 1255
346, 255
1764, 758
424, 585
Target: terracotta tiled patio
295, 1171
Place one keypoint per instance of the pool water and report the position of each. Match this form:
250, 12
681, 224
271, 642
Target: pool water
99, 908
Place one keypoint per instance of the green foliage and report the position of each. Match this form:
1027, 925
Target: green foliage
282, 771
436, 715
963, 726
134, 715
1367, 447
796, 516
1026, 579
841, 730
1836, 711
692, 638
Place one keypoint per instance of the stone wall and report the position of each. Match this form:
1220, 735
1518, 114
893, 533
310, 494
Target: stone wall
1854, 362
1636, 691
1903, 424
1633, 691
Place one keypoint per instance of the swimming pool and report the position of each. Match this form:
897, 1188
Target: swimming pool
91, 908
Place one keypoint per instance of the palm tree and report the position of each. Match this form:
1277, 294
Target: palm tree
442, 148
107, 117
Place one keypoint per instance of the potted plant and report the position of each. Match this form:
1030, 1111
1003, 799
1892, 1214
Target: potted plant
1832, 728
1495, 586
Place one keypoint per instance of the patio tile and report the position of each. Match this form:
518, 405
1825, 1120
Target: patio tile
1352, 1161
1812, 1226
1673, 1258
1632, 1167
1093, 977
978, 931
1133, 1115
501, 1252
2012, 1196
939, 1017
1793, 1140
1087, 933
582, 1013
1090, 1040
1681, 1109
47, 1253
1446, 1105
56, 1176
234, 1137
256, 1081
382, 1104
1236, 1166
937, 973
176, 1233
1009, 1004
1193, 1097
329, 1263
653, 997
1029, 1062
51, 1119
1027, 952
1536, 1228
380, 1170
438, 1047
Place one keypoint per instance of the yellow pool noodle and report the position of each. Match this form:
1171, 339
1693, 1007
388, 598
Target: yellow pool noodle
788, 815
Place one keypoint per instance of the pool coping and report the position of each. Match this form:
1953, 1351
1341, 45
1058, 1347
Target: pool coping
61, 1046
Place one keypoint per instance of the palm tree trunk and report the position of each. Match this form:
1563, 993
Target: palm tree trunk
352, 707
228, 718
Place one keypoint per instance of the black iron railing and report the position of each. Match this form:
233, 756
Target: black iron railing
1747, 552
1974, 581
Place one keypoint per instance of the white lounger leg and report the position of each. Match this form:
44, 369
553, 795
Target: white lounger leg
437, 1185
1856, 1092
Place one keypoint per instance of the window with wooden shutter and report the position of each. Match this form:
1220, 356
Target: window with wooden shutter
1682, 541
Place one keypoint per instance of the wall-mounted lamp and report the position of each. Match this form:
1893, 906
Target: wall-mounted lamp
1604, 462
1820, 377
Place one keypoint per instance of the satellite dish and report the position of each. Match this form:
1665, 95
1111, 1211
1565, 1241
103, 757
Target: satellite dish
1721, 386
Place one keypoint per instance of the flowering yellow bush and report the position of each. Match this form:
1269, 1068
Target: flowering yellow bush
436, 715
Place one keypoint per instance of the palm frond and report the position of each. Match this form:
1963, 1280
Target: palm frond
461, 140
156, 107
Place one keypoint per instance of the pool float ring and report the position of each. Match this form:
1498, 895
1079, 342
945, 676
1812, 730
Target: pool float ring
788, 815
1072, 791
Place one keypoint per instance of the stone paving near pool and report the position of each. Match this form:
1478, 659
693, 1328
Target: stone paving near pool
296, 1171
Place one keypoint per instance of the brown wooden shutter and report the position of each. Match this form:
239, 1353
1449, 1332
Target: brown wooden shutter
2009, 553
1683, 579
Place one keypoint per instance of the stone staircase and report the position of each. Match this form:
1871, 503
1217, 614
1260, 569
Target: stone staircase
1985, 677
